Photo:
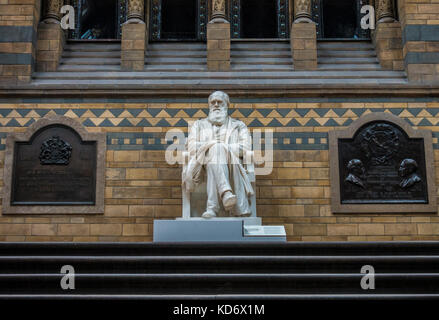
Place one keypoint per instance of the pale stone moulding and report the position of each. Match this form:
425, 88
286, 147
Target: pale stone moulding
12, 138
335, 135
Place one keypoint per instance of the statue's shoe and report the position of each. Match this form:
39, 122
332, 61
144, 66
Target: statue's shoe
229, 201
208, 214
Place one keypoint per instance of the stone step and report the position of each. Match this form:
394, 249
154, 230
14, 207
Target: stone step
349, 67
176, 50
177, 46
345, 54
91, 61
234, 51
261, 68
174, 54
104, 47
259, 61
199, 284
91, 54
176, 60
219, 75
88, 68
174, 68
385, 298
260, 46
345, 45
218, 264
263, 54
387, 248
237, 83
347, 60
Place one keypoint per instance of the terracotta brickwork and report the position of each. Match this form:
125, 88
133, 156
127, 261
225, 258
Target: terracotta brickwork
18, 25
141, 186
218, 46
420, 23
49, 46
304, 46
133, 46
388, 45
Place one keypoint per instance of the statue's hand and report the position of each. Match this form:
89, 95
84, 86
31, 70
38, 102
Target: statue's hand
205, 147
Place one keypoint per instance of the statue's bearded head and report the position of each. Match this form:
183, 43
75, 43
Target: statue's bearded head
218, 105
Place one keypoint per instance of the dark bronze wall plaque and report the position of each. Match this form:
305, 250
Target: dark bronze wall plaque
55, 167
50, 169
380, 164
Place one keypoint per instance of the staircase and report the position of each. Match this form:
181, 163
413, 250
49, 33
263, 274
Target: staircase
354, 56
90, 56
265, 56
312, 271
265, 64
176, 57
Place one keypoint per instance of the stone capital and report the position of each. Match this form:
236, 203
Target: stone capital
52, 11
219, 10
302, 11
135, 11
385, 11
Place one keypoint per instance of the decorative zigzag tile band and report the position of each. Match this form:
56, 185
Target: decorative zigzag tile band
253, 118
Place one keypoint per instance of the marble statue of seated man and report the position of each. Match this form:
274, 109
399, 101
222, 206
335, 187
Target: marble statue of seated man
216, 147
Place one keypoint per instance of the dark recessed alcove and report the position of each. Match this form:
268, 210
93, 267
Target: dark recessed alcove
98, 19
258, 19
179, 19
339, 18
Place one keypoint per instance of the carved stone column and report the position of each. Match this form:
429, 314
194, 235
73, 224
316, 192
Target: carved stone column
388, 37
303, 37
52, 11
50, 39
218, 38
385, 11
302, 11
134, 37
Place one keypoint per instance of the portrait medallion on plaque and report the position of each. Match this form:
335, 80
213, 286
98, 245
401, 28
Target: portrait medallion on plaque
55, 164
380, 164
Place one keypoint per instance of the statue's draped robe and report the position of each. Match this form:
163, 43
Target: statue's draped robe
221, 162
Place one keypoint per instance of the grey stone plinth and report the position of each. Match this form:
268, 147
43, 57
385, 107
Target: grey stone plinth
250, 221
215, 230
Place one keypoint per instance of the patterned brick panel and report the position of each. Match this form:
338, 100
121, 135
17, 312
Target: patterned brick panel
18, 26
420, 23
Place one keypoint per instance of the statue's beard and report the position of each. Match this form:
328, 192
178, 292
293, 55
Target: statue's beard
217, 117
